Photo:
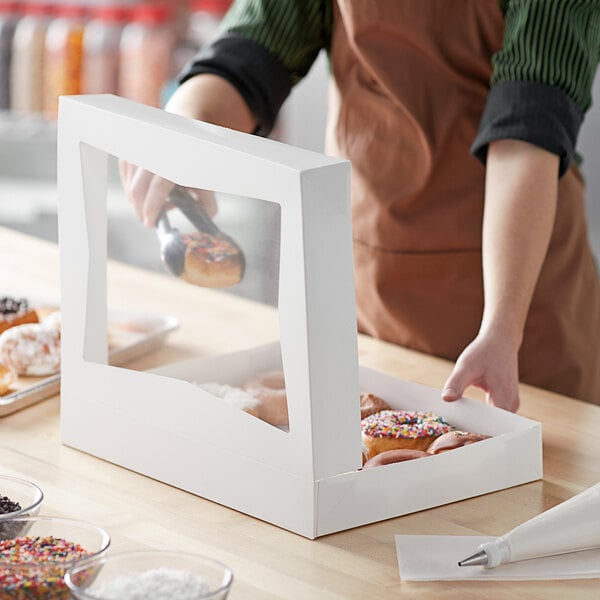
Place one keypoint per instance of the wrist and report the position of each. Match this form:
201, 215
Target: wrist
506, 333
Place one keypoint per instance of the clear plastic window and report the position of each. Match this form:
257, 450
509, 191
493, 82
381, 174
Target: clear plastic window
198, 279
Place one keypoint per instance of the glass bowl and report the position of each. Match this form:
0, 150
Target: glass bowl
35, 553
151, 574
28, 495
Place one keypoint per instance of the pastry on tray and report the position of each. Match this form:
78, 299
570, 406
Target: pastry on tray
15, 311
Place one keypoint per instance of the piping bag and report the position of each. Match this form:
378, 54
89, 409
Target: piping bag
570, 526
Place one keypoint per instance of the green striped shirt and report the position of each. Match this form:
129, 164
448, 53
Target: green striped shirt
294, 31
556, 42
541, 77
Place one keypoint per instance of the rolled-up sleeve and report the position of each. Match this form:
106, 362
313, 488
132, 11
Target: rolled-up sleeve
542, 77
263, 48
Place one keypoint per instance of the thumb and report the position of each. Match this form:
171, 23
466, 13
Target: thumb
455, 385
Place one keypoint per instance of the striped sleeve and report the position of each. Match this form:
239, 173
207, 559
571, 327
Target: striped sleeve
292, 30
542, 77
263, 48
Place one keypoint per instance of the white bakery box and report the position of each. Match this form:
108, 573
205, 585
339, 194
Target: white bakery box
307, 479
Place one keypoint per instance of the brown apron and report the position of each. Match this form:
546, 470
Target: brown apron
411, 79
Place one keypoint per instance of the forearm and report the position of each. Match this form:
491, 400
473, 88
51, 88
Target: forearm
212, 99
520, 206
205, 97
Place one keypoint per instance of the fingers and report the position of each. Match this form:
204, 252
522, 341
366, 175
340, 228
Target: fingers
207, 199
455, 385
500, 392
138, 188
124, 173
466, 372
135, 182
506, 399
157, 194
148, 193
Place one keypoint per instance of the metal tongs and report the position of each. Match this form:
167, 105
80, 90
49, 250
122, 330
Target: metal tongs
172, 245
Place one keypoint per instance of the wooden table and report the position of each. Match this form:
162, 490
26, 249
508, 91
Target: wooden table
269, 562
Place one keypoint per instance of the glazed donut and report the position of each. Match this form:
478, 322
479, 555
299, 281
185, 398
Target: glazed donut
396, 429
232, 395
7, 378
393, 456
52, 321
15, 312
454, 439
269, 390
31, 350
371, 404
212, 261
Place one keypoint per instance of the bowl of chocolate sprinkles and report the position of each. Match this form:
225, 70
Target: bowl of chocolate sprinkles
18, 498
34, 560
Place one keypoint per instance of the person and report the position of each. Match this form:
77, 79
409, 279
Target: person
443, 108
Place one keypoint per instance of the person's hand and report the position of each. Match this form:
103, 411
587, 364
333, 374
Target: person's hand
205, 97
490, 363
149, 194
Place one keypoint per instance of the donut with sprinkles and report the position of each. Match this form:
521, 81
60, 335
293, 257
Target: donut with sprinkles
212, 260
397, 429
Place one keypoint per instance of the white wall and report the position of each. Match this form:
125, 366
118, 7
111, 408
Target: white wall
589, 147
304, 114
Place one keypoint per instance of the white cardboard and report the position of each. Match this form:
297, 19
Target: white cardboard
307, 480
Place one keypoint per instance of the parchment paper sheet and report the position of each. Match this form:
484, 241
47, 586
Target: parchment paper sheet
435, 558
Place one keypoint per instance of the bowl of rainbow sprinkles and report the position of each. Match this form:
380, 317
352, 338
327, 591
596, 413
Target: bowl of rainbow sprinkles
35, 553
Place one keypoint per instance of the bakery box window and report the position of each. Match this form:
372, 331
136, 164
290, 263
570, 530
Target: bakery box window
218, 251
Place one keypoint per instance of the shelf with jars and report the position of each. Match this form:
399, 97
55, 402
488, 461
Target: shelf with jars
132, 48
51, 48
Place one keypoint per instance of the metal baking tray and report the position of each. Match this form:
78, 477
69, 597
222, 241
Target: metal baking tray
131, 335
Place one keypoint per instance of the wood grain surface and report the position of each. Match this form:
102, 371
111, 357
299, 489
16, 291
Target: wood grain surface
269, 562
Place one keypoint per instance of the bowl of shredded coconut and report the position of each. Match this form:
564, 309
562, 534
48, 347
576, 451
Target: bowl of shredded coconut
150, 575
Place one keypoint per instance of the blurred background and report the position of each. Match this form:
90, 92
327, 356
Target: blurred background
136, 49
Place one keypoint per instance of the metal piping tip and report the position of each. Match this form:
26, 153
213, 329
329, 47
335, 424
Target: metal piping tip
479, 558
